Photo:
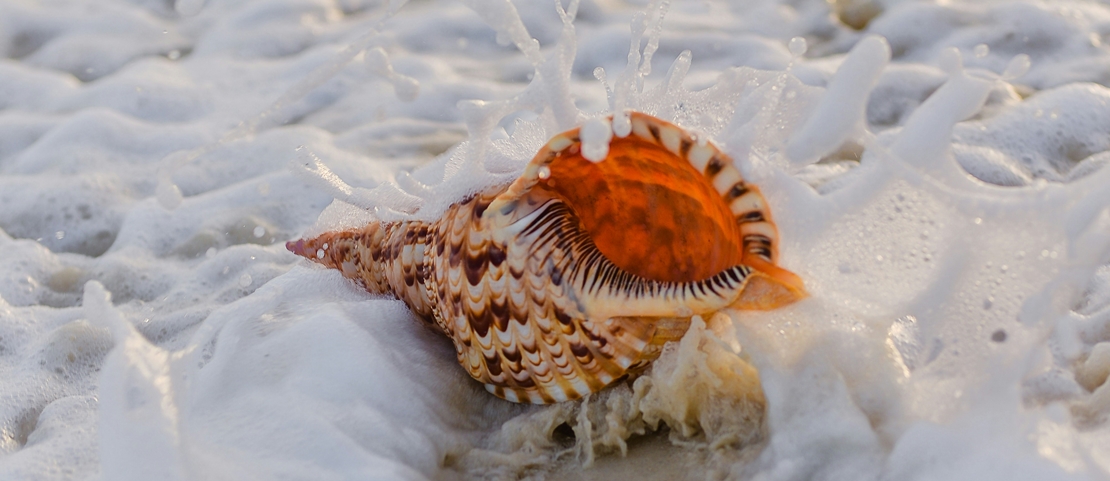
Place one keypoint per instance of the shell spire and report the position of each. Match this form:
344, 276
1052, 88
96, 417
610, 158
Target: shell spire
576, 274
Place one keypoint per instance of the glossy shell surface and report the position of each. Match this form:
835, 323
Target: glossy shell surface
575, 275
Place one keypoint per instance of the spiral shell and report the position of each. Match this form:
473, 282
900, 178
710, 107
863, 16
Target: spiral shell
575, 275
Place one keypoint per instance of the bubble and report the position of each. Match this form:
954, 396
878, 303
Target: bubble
544, 172
210, 253
169, 195
981, 50
622, 124
1017, 67
596, 134
259, 231
797, 46
173, 54
319, 253
245, 280
60, 235
950, 61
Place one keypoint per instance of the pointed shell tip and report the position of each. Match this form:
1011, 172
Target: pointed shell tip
296, 247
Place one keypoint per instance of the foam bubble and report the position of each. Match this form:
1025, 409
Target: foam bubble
596, 134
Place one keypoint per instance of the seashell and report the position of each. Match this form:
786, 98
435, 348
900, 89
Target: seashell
575, 275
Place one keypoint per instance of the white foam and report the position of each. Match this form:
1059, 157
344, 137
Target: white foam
841, 112
596, 134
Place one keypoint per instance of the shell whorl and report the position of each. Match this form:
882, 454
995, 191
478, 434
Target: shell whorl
542, 303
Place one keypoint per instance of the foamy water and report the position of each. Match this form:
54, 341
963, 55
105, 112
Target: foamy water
936, 172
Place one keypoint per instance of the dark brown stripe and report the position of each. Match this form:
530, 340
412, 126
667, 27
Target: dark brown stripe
562, 317
496, 255
480, 323
757, 239
582, 353
476, 267
511, 354
493, 364
714, 167
736, 192
749, 217
500, 313
525, 383
480, 208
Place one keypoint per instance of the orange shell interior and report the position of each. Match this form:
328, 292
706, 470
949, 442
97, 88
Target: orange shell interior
649, 211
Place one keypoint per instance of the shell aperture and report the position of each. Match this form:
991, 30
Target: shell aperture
575, 275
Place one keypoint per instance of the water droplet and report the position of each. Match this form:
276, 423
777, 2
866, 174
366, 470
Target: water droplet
544, 172
60, 235
978, 221
951, 62
981, 50
259, 231
210, 253
319, 253
1017, 67
797, 46
596, 134
245, 280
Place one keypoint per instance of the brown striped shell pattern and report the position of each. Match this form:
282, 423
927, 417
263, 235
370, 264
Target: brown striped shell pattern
575, 275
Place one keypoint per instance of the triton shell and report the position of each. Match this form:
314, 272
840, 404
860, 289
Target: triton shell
574, 276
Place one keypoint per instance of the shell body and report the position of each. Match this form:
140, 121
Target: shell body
574, 276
